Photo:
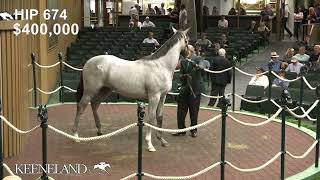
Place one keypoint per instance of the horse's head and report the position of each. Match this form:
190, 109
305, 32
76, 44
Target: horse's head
184, 41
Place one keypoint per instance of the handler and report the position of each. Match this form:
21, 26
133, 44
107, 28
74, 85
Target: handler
190, 92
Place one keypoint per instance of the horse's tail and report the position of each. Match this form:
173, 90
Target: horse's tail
79, 93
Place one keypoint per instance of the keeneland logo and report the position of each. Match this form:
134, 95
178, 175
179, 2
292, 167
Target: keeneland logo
102, 167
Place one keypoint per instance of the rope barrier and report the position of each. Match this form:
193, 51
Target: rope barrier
216, 97
30, 90
287, 80
29, 65
8, 169
184, 177
275, 103
16, 129
173, 94
178, 70
130, 176
182, 130
250, 101
71, 67
305, 112
307, 83
217, 72
70, 89
94, 137
308, 117
256, 168
306, 153
49, 66
257, 124
248, 74
51, 92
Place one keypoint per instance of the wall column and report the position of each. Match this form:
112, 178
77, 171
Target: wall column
192, 21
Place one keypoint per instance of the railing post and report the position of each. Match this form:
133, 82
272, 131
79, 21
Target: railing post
225, 104
233, 82
43, 115
270, 84
284, 99
141, 113
33, 62
301, 95
318, 128
61, 78
1, 145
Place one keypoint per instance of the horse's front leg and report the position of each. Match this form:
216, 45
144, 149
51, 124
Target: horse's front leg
152, 109
159, 115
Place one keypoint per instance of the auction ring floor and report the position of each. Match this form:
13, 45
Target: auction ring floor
246, 147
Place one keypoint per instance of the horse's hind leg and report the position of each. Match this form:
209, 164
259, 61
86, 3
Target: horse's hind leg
95, 103
164, 143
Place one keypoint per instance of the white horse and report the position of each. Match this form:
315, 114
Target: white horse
147, 78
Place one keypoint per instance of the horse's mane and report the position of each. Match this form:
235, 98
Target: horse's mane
162, 51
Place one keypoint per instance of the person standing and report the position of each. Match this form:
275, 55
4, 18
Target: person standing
150, 10
219, 80
183, 17
162, 9
298, 18
285, 19
190, 92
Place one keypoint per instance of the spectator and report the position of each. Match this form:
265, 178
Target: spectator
289, 54
151, 40
264, 30
302, 56
148, 23
315, 57
215, 11
135, 23
232, 12
285, 19
295, 66
242, 11
305, 12
259, 79
317, 10
219, 81
174, 16
204, 42
279, 82
312, 17
162, 9
224, 43
157, 10
183, 17
298, 18
134, 11
252, 28
190, 93
216, 47
150, 10
223, 23
274, 62
267, 15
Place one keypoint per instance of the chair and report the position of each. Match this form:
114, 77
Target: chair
254, 93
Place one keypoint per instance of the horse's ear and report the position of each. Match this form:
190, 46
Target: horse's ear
186, 31
174, 30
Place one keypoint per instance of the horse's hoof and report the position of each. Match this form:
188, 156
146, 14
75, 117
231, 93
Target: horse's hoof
99, 133
151, 149
165, 144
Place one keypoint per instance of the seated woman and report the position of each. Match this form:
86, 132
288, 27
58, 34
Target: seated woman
232, 12
264, 30
289, 54
224, 43
280, 81
259, 79
204, 42
252, 27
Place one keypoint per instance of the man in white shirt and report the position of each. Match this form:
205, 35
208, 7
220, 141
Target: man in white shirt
151, 40
259, 79
148, 23
162, 10
183, 17
294, 66
285, 19
223, 23
301, 55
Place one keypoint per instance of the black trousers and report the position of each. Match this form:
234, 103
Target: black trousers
297, 26
188, 102
216, 90
285, 20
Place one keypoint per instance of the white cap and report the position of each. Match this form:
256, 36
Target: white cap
222, 52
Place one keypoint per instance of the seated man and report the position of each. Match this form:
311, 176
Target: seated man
223, 23
274, 62
135, 23
315, 56
280, 81
151, 40
252, 27
148, 23
302, 56
294, 66
259, 80
204, 42
224, 43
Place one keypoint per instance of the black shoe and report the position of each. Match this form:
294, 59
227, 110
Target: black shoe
193, 134
179, 134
